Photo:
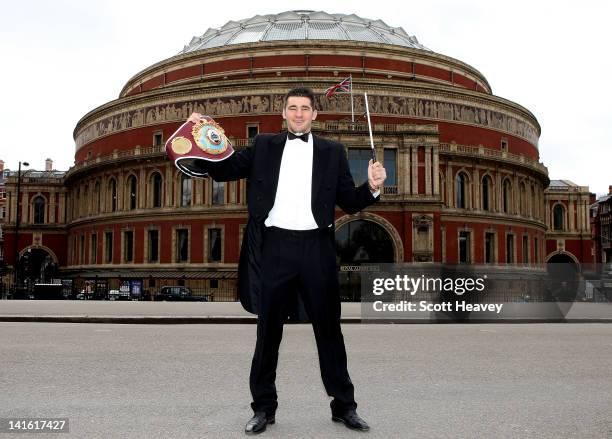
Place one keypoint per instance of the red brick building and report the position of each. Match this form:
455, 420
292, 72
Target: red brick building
465, 184
567, 219
42, 226
601, 227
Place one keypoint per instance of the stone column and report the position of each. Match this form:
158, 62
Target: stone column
52, 205
232, 192
103, 194
583, 218
120, 191
168, 183
534, 201
428, 183
570, 213
142, 189
83, 199
450, 199
404, 170
499, 193
436, 170
414, 169
68, 208
516, 195
207, 199
476, 190
198, 187
12, 217
25, 217
61, 208
539, 206
443, 243
587, 224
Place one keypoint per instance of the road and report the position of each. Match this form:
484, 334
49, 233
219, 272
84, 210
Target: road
191, 381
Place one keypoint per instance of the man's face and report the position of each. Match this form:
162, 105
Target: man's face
299, 114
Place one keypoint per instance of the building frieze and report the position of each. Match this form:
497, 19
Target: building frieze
169, 95
382, 105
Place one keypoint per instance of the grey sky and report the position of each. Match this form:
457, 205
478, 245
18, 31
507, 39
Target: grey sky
62, 59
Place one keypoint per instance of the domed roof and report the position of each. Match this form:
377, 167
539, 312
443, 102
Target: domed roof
303, 25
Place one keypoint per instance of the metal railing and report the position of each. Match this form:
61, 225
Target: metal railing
137, 152
74, 292
481, 151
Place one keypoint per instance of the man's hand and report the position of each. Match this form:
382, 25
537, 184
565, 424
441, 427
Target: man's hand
194, 118
376, 175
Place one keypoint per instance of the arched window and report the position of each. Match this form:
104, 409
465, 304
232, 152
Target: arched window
558, 215
156, 180
185, 190
506, 196
39, 210
486, 192
112, 188
361, 242
133, 188
461, 191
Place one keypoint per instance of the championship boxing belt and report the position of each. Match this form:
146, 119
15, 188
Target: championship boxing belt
192, 142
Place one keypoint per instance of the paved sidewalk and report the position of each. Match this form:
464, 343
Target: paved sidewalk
93, 311
455, 381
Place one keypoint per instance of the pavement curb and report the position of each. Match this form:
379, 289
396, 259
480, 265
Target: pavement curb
163, 320
148, 320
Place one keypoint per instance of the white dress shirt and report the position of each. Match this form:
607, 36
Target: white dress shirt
292, 206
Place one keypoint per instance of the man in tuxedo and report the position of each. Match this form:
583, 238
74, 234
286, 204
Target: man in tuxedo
295, 180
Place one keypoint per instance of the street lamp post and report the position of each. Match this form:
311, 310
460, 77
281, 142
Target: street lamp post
18, 223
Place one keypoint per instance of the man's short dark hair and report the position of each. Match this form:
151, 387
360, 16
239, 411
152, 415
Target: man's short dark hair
302, 92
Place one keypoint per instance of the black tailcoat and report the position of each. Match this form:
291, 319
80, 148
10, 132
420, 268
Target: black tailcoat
332, 184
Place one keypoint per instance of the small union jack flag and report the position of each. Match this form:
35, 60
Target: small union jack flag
345, 86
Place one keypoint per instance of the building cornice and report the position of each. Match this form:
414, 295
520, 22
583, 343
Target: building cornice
303, 47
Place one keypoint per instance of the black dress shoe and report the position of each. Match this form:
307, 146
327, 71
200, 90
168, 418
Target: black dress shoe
258, 422
352, 420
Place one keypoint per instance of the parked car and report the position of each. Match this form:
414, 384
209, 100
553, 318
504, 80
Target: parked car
84, 295
47, 292
178, 293
118, 295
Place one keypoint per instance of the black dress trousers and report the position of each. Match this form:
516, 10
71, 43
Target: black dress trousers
302, 261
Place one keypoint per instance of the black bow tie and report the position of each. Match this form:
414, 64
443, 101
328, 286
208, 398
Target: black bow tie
303, 137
